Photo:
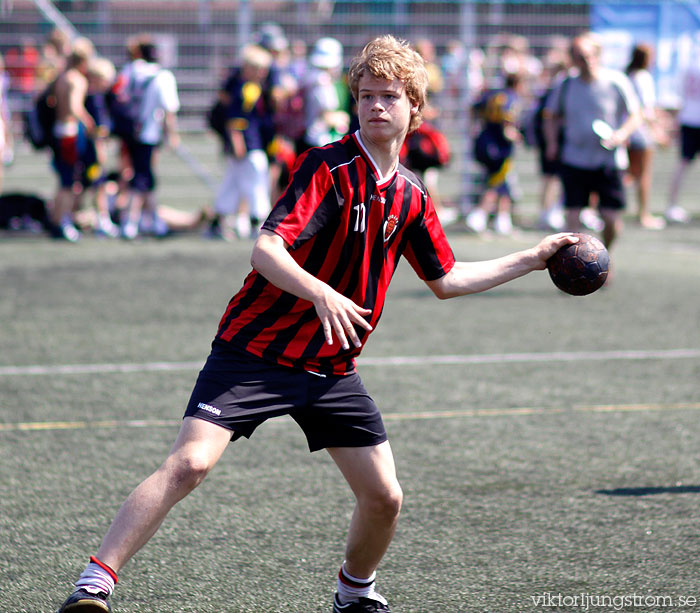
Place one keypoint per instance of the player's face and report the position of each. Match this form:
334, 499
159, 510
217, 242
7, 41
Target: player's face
383, 108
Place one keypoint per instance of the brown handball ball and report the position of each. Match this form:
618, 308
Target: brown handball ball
582, 268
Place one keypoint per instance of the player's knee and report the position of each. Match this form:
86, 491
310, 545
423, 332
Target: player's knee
187, 471
386, 505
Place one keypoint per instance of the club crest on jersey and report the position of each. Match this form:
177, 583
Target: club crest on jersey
390, 226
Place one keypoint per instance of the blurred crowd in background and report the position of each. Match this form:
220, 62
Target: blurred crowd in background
104, 125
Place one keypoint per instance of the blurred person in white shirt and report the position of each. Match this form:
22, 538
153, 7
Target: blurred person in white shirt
156, 124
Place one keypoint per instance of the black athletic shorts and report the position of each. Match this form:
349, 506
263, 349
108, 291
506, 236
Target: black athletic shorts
240, 391
690, 142
579, 183
548, 167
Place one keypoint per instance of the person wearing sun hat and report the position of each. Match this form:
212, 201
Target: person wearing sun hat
326, 119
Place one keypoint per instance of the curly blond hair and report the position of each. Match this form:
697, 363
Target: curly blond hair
386, 57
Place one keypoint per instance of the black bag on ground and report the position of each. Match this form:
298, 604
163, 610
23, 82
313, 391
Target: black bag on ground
18, 210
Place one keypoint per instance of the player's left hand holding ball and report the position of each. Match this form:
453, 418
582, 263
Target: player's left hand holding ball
549, 245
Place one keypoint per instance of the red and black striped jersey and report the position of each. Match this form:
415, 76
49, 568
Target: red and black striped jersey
348, 226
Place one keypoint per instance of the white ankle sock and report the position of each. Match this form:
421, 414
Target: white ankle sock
353, 588
97, 577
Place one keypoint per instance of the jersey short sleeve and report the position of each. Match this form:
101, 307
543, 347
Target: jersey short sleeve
428, 250
308, 203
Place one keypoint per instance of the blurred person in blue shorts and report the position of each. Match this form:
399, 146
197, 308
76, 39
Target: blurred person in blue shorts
70, 142
101, 75
494, 147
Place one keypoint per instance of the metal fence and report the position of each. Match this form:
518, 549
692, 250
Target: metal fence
200, 39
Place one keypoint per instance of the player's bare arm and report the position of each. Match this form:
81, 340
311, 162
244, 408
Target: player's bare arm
551, 124
337, 313
171, 132
474, 277
77, 90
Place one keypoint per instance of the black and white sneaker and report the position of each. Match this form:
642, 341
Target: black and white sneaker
81, 601
363, 605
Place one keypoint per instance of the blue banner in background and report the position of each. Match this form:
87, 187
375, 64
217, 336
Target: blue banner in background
671, 28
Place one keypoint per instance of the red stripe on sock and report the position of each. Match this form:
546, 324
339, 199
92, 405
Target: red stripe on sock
356, 584
103, 566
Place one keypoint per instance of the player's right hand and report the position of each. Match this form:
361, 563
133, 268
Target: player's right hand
339, 315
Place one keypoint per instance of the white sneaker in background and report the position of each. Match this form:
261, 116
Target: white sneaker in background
555, 217
106, 227
503, 224
677, 214
476, 220
447, 215
130, 231
591, 220
70, 232
243, 226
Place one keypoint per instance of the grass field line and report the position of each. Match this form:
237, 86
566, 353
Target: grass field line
410, 416
426, 360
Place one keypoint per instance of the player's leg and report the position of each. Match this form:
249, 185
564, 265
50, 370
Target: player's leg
644, 177
258, 189
134, 199
690, 145
612, 202
226, 201
634, 168
612, 220
62, 214
337, 413
141, 184
576, 187
496, 171
503, 224
675, 213
227, 196
477, 219
196, 450
371, 474
61, 209
551, 215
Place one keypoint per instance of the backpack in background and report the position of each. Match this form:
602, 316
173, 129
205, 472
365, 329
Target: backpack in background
425, 148
216, 119
40, 119
124, 105
532, 124
491, 152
